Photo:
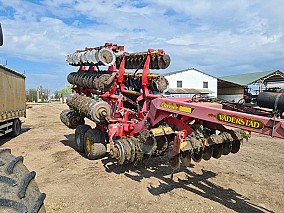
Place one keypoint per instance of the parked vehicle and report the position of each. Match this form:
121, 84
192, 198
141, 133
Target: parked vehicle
12, 96
13, 103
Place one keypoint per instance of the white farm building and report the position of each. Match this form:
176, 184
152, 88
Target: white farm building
191, 81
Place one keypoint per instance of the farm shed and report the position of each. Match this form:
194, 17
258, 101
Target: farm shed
191, 81
232, 88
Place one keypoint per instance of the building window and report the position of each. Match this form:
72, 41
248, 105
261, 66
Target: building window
205, 84
179, 84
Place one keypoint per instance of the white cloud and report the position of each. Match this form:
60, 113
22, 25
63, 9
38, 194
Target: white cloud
216, 36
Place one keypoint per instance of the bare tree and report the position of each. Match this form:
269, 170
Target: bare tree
37, 95
31, 95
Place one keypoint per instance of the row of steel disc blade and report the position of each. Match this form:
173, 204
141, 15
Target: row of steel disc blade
215, 151
137, 60
91, 80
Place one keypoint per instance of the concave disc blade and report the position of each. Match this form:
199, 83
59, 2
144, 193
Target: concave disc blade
236, 146
217, 151
185, 158
207, 153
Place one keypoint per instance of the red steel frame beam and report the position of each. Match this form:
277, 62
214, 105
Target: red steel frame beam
161, 108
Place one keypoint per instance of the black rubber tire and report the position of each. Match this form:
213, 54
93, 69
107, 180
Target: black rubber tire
79, 137
18, 189
97, 147
16, 128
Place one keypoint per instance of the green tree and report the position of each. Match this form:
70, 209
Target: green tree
67, 89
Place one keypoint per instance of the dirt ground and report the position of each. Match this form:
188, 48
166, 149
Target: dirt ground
249, 181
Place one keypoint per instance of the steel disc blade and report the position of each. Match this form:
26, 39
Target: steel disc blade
81, 79
236, 146
132, 145
164, 61
148, 143
77, 79
152, 63
217, 151
185, 158
227, 148
96, 82
90, 81
174, 162
207, 153
121, 152
197, 156
155, 63
70, 78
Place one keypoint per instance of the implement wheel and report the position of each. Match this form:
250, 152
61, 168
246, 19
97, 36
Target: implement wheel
18, 189
95, 144
79, 137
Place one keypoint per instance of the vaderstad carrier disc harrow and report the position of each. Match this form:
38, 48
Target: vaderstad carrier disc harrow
133, 120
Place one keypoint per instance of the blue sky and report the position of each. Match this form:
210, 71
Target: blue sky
218, 37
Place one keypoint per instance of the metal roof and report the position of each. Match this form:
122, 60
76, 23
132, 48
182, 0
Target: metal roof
257, 77
180, 71
222, 84
11, 71
188, 91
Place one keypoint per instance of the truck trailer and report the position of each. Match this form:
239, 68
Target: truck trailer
13, 103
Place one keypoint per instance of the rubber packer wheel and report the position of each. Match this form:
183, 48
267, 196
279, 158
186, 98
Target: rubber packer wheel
18, 189
79, 137
16, 128
95, 145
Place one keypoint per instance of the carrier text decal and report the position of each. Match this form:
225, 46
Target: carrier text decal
176, 107
241, 121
